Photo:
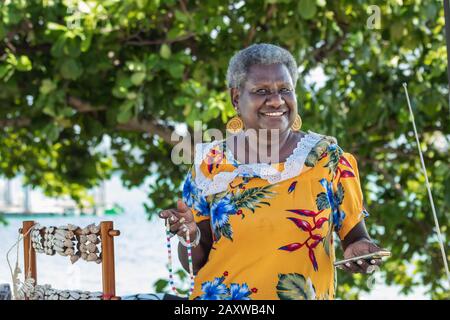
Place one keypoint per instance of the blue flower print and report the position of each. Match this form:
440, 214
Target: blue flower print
189, 190
220, 211
214, 290
238, 292
202, 206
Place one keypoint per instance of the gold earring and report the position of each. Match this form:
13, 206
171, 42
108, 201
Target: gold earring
297, 123
235, 125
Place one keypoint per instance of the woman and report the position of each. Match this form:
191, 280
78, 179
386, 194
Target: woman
264, 230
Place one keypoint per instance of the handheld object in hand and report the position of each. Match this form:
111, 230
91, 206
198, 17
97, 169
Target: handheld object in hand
373, 255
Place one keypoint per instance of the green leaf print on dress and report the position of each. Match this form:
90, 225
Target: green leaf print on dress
294, 286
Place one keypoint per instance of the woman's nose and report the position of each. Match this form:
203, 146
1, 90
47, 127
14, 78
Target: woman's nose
275, 100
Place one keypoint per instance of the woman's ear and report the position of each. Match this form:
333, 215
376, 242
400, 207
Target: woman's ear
234, 95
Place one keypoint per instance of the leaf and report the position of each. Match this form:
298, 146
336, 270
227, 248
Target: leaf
137, 78
307, 8
322, 201
165, 51
226, 231
327, 240
294, 286
249, 198
311, 159
160, 285
24, 64
86, 42
126, 112
56, 26
72, 47
57, 49
70, 69
47, 86
340, 193
176, 70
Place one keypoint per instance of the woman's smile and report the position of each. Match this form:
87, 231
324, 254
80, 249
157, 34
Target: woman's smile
277, 114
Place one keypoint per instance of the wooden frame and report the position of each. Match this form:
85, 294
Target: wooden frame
107, 234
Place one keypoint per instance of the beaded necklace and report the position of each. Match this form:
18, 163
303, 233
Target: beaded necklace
191, 267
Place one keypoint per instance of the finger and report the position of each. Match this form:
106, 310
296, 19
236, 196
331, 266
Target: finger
165, 214
353, 267
363, 265
182, 231
168, 213
345, 268
174, 228
375, 262
182, 207
373, 247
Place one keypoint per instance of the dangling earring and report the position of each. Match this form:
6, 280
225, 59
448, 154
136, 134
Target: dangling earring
297, 123
235, 125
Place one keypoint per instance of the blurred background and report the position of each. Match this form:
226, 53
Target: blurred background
91, 91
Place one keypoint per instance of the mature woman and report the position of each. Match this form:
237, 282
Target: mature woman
264, 230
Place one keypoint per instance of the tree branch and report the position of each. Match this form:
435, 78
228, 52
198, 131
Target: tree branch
151, 127
252, 31
82, 106
148, 126
160, 41
20, 122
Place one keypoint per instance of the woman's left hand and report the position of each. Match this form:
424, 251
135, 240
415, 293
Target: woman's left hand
359, 248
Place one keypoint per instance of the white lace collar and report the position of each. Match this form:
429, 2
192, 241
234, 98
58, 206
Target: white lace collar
219, 183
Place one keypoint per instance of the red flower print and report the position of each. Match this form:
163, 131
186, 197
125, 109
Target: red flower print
225, 274
312, 257
254, 290
307, 227
292, 186
320, 222
307, 213
345, 162
316, 237
346, 174
302, 224
315, 243
292, 247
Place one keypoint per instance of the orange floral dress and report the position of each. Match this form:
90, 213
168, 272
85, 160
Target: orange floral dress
273, 224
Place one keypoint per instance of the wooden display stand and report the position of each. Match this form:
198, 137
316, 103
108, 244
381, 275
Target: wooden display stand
107, 234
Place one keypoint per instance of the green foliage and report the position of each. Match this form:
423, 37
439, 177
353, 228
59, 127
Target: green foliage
75, 72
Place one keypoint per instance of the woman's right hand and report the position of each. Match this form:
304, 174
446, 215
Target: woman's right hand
180, 217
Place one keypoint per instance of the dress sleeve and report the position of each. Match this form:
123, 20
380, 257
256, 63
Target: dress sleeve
349, 197
194, 199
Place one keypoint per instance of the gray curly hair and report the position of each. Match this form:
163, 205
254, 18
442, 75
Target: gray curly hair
262, 53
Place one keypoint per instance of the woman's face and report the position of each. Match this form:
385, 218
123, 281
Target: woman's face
267, 99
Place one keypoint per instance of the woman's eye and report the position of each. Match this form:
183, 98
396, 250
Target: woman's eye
285, 90
261, 91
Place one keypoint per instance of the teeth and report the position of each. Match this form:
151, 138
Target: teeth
274, 114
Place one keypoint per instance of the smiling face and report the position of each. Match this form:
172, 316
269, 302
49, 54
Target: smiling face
267, 98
